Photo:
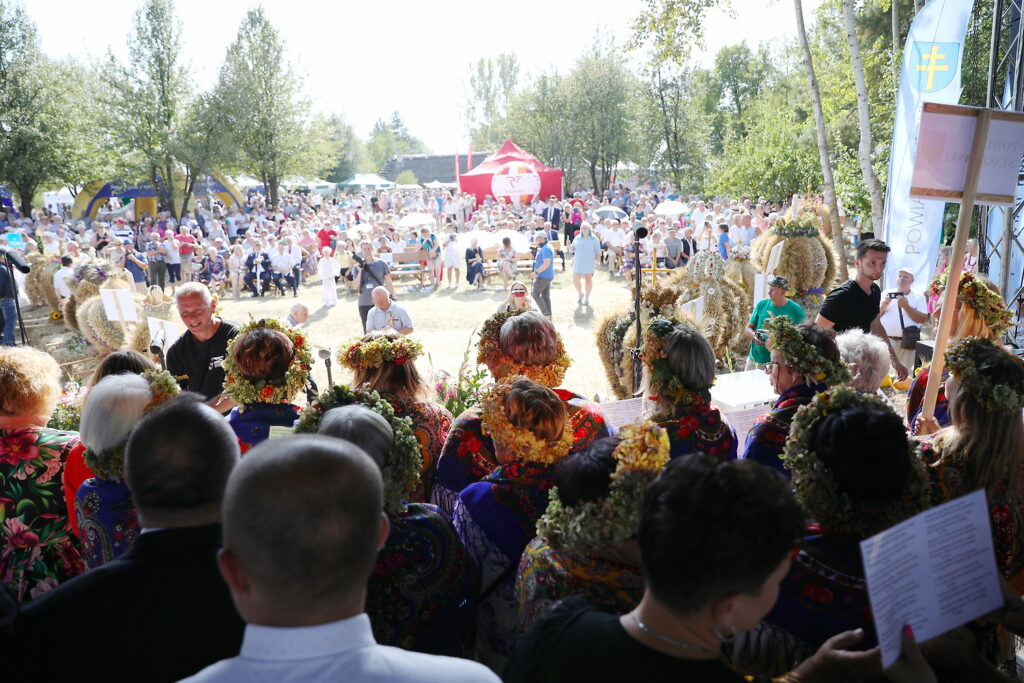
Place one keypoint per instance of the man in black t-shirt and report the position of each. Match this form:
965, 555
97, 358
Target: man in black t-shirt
856, 302
198, 355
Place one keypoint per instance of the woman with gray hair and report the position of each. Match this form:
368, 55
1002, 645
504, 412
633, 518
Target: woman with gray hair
868, 358
107, 522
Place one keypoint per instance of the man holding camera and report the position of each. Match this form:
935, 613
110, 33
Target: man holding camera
366, 274
775, 304
902, 313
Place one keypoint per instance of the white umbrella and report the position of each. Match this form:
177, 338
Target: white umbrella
671, 208
413, 220
608, 211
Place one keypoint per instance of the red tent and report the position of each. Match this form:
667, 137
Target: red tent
512, 173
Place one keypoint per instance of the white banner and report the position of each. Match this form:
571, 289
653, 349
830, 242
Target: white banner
931, 72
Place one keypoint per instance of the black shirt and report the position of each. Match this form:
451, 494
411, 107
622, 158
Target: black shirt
849, 307
201, 361
573, 641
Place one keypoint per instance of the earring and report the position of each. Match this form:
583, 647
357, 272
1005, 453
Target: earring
728, 638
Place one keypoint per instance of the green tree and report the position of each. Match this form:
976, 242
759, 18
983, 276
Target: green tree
492, 83
40, 127
274, 131
146, 98
390, 139
407, 177
541, 122
670, 28
350, 150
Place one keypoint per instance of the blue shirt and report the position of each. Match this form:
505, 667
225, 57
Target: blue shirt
723, 239
542, 254
138, 274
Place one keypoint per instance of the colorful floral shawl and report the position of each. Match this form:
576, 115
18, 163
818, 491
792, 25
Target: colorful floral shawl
699, 428
431, 423
38, 550
422, 593
767, 438
107, 521
468, 455
547, 575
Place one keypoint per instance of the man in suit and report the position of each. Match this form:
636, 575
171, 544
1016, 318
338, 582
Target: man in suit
161, 611
552, 214
689, 247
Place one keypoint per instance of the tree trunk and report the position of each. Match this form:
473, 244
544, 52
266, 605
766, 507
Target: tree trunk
896, 42
190, 182
864, 119
25, 193
272, 190
826, 162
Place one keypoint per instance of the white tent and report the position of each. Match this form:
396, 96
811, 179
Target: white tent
367, 180
61, 196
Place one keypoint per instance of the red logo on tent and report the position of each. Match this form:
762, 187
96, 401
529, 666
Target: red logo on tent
517, 181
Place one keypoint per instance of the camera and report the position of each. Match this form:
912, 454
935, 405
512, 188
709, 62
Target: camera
761, 335
358, 259
895, 295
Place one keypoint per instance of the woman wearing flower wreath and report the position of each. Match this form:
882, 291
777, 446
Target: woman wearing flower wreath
514, 343
266, 366
422, 593
107, 522
851, 492
584, 543
385, 361
37, 549
497, 516
804, 361
984, 445
679, 369
980, 312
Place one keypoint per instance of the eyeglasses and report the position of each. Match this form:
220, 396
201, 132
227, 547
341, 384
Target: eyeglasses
769, 366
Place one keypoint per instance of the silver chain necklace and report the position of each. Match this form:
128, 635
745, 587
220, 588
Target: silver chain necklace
671, 641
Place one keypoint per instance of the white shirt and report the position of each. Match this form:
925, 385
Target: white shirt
336, 651
60, 281
281, 262
891, 318
615, 237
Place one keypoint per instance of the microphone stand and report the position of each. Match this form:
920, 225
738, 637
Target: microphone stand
325, 354
157, 349
14, 288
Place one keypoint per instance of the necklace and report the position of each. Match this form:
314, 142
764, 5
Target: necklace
671, 641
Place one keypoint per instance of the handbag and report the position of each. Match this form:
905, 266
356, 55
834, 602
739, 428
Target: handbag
911, 334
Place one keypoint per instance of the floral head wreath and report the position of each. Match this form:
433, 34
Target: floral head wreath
378, 351
805, 225
816, 485
520, 442
586, 528
503, 365
401, 471
980, 296
110, 463
806, 359
272, 389
664, 381
962, 361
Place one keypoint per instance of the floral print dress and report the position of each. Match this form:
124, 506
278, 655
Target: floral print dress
107, 522
430, 424
700, 429
767, 438
38, 550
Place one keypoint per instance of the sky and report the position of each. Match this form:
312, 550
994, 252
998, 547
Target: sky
365, 60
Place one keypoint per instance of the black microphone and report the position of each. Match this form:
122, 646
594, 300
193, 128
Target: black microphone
16, 259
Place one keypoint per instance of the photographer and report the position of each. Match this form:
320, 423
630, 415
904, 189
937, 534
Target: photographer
775, 304
903, 309
366, 274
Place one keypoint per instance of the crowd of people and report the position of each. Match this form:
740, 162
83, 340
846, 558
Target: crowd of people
371, 535
360, 241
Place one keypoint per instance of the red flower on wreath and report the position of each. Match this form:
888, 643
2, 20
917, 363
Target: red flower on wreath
401, 360
267, 392
687, 426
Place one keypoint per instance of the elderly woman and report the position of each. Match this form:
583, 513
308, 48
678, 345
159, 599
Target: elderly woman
853, 490
107, 522
715, 540
475, 264
385, 361
584, 543
984, 445
422, 593
266, 367
679, 369
804, 361
496, 517
980, 312
510, 344
38, 551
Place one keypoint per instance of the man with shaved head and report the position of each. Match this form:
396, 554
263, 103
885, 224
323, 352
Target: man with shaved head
303, 521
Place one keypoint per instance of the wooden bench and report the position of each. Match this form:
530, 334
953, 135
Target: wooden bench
407, 263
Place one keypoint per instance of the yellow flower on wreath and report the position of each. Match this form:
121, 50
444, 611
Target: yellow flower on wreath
509, 438
503, 366
273, 389
359, 354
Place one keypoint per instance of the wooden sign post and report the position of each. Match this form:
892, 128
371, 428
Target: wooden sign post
946, 169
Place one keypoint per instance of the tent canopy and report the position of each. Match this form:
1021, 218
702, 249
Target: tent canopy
371, 180
514, 174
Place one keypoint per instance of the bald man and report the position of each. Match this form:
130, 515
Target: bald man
386, 314
303, 521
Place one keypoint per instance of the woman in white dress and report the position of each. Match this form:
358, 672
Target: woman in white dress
452, 259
